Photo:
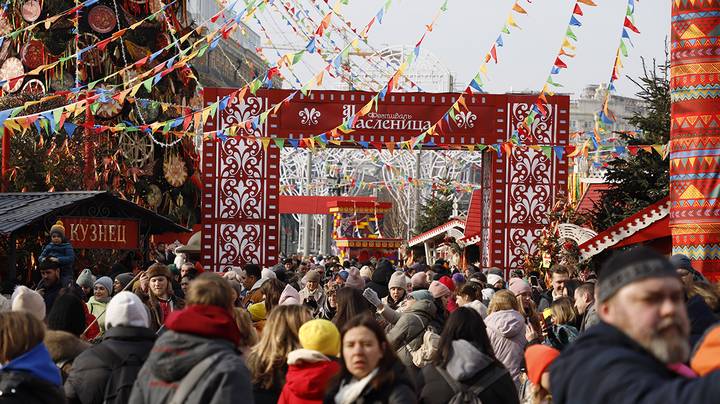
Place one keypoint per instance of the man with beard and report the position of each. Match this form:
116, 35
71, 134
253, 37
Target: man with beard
635, 353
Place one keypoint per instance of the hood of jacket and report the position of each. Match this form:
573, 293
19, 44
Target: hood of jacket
175, 353
423, 307
205, 321
38, 363
64, 346
308, 379
383, 272
509, 323
478, 306
466, 360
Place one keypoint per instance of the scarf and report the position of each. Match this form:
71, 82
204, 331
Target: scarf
350, 392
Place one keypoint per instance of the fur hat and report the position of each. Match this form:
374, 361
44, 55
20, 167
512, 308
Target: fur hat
158, 270
86, 279
419, 281
537, 359
397, 280
320, 335
438, 290
289, 296
313, 276
63, 346
24, 299
105, 282
58, 228
127, 310
354, 280
519, 286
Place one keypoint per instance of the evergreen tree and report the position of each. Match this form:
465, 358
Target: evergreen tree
643, 179
436, 209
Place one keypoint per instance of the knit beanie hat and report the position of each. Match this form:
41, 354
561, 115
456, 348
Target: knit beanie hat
354, 280
458, 277
125, 278
289, 296
681, 261
537, 359
25, 299
447, 281
126, 310
397, 280
492, 279
257, 311
419, 281
519, 286
366, 272
105, 282
631, 266
707, 352
58, 228
86, 278
67, 314
343, 274
320, 335
438, 290
158, 270
421, 294
268, 273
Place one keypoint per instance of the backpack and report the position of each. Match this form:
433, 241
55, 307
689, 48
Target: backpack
123, 373
430, 342
469, 394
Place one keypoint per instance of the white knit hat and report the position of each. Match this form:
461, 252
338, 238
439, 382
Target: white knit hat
24, 299
126, 309
397, 280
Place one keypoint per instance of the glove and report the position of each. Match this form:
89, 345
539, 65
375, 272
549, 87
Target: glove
372, 297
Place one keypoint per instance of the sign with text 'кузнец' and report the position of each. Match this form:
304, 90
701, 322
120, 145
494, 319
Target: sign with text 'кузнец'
102, 233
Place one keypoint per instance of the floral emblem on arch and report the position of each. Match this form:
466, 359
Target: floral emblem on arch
465, 119
309, 116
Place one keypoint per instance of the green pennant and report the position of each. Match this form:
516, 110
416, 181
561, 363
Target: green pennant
148, 84
92, 84
506, 30
546, 150
570, 34
57, 114
452, 114
387, 4
280, 143
480, 147
202, 50
629, 12
94, 107
261, 6
297, 56
213, 108
255, 85
623, 48
304, 90
166, 127
552, 83
263, 117
444, 6
16, 111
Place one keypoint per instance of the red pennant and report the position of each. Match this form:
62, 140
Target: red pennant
569, 149
104, 43
578, 10
493, 53
376, 145
633, 150
629, 25
560, 64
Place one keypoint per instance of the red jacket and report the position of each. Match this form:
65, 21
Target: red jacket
307, 378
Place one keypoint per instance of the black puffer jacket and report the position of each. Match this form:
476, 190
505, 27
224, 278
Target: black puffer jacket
605, 366
91, 371
400, 391
468, 365
24, 388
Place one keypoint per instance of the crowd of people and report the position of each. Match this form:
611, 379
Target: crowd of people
315, 330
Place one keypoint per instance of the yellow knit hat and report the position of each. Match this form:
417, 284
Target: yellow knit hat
58, 228
320, 335
257, 311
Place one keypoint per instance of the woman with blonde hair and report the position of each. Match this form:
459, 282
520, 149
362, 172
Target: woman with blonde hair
562, 332
268, 359
248, 335
506, 329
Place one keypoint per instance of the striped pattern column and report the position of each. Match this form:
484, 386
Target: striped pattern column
695, 133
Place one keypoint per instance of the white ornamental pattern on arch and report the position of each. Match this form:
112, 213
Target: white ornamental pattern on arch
239, 243
542, 130
530, 186
245, 111
521, 241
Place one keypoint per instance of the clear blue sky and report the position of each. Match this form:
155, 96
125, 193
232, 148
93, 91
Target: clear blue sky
466, 31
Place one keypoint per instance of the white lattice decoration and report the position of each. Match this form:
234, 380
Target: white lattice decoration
569, 231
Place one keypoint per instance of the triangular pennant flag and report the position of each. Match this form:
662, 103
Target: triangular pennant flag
575, 22
570, 34
577, 9
629, 25
588, 2
516, 7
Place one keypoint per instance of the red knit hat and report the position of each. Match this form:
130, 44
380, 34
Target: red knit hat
537, 359
447, 281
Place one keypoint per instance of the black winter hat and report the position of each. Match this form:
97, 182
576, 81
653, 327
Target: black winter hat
626, 267
67, 314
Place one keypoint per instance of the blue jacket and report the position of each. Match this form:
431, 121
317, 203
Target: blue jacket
37, 362
605, 366
63, 252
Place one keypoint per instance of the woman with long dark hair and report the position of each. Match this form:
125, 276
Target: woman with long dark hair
370, 373
465, 361
350, 303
